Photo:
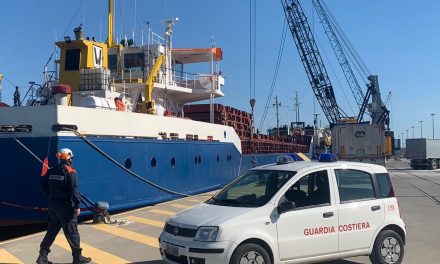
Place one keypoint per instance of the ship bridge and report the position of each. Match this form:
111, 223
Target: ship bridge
172, 85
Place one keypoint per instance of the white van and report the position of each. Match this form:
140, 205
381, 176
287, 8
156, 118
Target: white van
292, 212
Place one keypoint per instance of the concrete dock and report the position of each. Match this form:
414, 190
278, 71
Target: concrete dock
134, 238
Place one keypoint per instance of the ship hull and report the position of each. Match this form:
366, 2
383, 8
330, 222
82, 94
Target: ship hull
198, 166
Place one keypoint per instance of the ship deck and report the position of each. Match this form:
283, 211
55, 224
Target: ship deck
135, 239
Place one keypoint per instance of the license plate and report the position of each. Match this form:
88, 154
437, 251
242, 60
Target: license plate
172, 250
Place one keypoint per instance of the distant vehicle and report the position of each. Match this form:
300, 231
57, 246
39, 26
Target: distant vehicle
423, 153
292, 212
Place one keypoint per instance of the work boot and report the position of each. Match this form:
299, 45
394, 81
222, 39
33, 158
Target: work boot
43, 260
80, 259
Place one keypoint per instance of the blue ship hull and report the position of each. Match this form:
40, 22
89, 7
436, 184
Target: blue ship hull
198, 166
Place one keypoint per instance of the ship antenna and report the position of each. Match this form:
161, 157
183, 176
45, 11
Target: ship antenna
135, 11
211, 97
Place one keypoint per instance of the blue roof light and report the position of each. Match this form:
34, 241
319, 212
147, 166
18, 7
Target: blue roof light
327, 157
295, 157
284, 160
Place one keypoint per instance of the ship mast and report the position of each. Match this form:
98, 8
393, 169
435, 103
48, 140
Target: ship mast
277, 105
110, 23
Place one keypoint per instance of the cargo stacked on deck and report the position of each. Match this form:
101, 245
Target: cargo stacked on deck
241, 121
94, 79
224, 115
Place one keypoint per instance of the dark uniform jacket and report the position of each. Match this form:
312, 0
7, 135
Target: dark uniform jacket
61, 184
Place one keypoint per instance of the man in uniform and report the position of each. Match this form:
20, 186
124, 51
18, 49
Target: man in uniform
61, 185
17, 101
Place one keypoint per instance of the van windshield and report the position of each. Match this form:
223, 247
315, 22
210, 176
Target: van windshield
253, 189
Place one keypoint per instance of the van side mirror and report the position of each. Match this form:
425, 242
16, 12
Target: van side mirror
285, 206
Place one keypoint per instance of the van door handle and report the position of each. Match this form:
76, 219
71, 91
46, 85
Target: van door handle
375, 208
328, 214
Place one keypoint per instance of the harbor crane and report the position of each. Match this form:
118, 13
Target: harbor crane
317, 73
352, 138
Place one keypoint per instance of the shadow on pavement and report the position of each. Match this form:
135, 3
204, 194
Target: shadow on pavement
328, 262
150, 262
11, 232
342, 262
398, 169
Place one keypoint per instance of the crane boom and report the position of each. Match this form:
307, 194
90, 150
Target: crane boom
340, 55
312, 60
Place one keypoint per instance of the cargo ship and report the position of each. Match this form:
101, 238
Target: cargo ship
125, 109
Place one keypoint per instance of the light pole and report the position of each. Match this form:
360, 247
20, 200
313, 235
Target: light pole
407, 134
412, 131
421, 129
432, 115
403, 140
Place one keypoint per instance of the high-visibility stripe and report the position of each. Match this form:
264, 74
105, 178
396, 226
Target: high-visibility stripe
6, 257
147, 240
97, 255
145, 221
181, 206
70, 169
302, 156
163, 212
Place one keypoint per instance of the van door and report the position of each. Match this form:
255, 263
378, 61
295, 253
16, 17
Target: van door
360, 213
311, 227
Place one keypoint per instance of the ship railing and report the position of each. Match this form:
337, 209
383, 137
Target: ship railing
156, 39
38, 94
178, 78
186, 80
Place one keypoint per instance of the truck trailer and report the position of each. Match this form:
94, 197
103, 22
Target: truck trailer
423, 153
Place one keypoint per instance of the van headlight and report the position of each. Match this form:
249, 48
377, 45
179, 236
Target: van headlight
206, 233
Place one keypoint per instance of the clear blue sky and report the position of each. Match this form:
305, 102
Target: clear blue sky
398, 39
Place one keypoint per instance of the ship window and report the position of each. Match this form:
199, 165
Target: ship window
218, 158
153, 162
128, 163
173, 161
200, 159
72, 59
112, 62
195, 159
134, 61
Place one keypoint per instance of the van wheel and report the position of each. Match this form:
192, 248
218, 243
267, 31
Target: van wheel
388, 248
250, 254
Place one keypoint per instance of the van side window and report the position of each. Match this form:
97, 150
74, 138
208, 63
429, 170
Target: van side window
354, 185
311, 190
385, 187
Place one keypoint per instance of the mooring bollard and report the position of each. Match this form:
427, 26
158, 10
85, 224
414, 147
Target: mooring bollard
99, 217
